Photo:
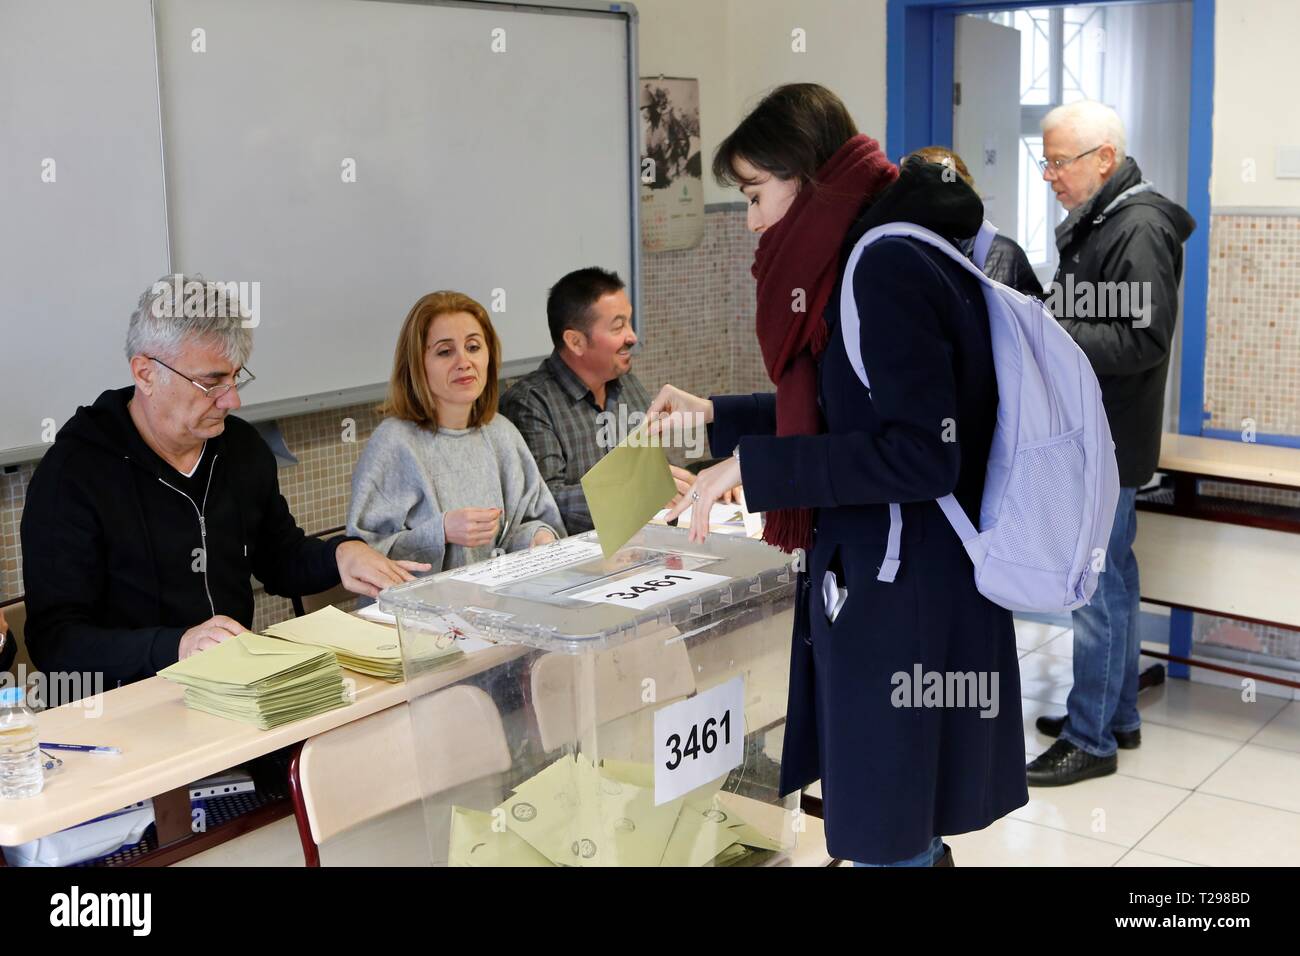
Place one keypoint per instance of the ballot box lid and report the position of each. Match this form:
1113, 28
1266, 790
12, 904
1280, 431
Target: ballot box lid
567, 597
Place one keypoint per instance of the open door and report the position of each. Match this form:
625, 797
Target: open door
986, 115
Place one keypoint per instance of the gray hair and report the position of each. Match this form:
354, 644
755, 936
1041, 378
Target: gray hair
179, 308
1094, 122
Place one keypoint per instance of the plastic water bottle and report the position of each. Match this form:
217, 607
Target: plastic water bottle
20, 758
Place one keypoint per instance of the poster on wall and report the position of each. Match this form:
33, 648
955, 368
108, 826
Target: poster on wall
672, 178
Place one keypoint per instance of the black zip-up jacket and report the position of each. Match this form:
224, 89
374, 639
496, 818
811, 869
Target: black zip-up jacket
119, 560
1008, 264
1127, 233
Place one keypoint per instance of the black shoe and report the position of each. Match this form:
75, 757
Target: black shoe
1065, 763
1127, 739
946, 859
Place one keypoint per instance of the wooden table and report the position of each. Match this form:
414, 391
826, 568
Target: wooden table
1248, 462
1214, 555
166, 746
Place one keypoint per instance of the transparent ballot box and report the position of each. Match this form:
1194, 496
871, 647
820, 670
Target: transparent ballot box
572, 710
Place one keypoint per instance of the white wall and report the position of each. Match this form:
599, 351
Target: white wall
741, 48
688, 38
1255, 104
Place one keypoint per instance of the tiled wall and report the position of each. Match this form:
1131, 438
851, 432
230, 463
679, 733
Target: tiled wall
697, 333
1252, 372
697, 320
1252, 358
13, 493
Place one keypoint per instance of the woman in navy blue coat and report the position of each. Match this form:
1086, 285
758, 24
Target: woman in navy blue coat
907, 704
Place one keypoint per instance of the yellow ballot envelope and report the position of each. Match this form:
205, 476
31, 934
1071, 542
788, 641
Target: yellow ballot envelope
626, 488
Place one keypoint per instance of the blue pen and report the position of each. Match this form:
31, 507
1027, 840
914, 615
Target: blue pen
82, 748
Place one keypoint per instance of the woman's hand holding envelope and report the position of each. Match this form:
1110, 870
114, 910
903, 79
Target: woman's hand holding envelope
675, 409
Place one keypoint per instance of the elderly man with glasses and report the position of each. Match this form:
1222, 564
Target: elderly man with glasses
1116, 293
147, 518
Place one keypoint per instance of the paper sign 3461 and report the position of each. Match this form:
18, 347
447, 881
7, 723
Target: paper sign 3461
699, 739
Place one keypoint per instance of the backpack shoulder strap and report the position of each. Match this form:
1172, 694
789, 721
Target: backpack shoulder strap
850, 324
849, 319
983, 243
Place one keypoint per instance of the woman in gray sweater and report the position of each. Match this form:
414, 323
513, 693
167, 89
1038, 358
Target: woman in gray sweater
444, 478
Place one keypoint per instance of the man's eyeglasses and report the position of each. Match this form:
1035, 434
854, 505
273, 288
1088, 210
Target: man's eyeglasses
1055, 165
213, 392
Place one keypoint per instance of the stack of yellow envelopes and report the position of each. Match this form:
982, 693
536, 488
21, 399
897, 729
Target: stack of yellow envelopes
362, 646
260, 680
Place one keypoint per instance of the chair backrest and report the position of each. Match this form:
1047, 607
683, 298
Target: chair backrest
559, 698
369, 767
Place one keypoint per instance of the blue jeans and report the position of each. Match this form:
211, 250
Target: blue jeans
1106, 645
928, 857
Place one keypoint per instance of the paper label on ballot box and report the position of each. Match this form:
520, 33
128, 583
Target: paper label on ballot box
699, 740
651, 586
526, 564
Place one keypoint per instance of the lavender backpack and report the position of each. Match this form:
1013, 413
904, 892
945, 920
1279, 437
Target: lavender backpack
1052, 483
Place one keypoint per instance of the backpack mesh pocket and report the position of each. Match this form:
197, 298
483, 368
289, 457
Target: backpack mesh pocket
1042, 510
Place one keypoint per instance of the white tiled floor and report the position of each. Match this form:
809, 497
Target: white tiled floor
1283, 731
1216, 782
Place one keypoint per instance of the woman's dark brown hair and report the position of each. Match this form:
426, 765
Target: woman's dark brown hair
791, 134
409, 395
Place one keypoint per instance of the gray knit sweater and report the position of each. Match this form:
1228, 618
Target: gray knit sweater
409, 477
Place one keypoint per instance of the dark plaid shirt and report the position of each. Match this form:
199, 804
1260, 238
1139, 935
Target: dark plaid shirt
560, 420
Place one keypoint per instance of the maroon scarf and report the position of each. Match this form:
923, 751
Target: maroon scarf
802, 252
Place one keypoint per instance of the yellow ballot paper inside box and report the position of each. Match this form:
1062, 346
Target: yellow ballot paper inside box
575, 815
476, 842
702, 831
626, 488
710, 820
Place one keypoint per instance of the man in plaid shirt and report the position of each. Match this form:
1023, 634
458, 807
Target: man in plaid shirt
573, 408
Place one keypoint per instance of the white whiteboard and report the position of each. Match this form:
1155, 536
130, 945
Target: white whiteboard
78, 86
475, 170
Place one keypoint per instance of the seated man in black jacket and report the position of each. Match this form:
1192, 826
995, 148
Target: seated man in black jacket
155, 506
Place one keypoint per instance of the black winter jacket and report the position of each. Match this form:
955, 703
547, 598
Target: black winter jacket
1116, 293
1008, 264
119, 560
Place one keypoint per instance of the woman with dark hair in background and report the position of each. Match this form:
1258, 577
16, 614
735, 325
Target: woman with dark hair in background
1006, 261
825, 457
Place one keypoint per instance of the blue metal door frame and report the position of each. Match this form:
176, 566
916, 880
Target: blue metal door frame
919, 82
